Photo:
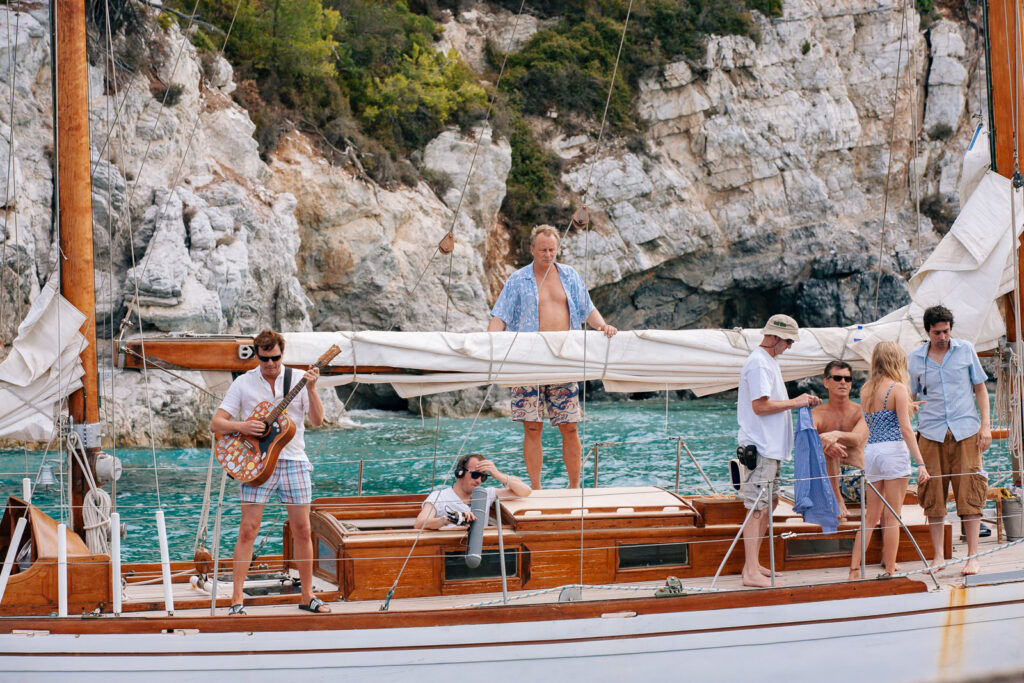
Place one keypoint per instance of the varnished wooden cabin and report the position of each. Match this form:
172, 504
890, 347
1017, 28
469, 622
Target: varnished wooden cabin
360, 544
32, 586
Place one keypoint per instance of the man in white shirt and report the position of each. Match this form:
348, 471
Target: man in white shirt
762, 410
450, 508
291, 477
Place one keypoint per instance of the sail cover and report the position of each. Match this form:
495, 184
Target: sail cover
42, 367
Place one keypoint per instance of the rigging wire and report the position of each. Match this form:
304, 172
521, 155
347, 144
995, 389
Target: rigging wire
888, 166
1017, 358
11, 188
113, 130
136, 278
451, 256
916, 135
586, 263
55, 216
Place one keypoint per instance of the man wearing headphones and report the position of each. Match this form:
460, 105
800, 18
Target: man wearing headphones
449, 508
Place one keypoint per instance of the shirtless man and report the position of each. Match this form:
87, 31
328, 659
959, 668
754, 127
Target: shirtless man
841, 424
547, 296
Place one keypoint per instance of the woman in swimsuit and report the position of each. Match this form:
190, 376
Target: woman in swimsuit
891, 441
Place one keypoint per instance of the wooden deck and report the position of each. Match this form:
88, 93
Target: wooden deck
1006, 560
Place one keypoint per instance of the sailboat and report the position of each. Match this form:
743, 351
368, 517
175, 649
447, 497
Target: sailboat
606, 583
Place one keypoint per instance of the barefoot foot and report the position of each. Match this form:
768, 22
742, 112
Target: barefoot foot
971, 567
756, 579
767, 572
855, 573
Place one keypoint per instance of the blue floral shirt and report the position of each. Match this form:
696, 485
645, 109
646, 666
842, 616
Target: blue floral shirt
517, 304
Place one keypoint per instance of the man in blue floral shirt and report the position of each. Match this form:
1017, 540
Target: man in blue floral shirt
547, 296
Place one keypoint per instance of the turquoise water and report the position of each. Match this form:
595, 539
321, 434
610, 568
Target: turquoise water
397, 450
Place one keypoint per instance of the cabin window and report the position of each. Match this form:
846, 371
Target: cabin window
325, 559
644, 555
455, 568
818, 547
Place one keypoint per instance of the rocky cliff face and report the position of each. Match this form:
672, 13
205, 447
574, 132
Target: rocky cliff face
766, 167
759, 185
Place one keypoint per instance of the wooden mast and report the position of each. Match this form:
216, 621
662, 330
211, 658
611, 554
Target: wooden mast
74, 197
1005, 78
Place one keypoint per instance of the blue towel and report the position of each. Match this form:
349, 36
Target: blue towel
814, 497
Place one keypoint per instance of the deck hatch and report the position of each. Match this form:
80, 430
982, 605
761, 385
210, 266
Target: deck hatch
455, 568
644, 555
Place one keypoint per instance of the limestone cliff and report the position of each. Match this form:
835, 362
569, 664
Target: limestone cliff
759, 184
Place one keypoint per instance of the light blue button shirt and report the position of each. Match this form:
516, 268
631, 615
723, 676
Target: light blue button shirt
517, 305
947, 390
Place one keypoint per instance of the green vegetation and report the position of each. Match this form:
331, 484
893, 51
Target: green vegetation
362, 75
928, 11
569, 66
530, 193
355, 73
940, 131
806, 47
567, 69
942, 213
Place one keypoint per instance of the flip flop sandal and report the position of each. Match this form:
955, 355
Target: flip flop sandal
236, 610
314, 606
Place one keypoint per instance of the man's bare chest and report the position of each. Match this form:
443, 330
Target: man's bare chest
837, 420
551, 292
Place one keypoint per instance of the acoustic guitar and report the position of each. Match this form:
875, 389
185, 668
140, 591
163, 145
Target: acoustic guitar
252, 459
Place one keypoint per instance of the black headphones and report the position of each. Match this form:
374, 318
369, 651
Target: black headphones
460, 467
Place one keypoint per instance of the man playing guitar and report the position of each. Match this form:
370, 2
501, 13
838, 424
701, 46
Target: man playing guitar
291, 477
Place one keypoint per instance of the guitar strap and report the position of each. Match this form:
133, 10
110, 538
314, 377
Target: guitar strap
287, 380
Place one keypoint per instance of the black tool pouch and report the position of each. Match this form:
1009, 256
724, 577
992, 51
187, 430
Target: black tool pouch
747, 455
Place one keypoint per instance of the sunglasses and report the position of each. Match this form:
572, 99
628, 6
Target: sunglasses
268, 359
482, 476
841, 378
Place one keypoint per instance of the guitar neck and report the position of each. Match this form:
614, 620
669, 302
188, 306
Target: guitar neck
324, 360
288, 398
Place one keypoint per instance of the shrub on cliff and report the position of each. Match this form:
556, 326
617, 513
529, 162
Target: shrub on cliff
568, 67
427, 89
291, 39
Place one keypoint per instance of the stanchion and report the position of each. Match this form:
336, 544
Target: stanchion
863, 523
165, 562
771, 529
501, 553
115, 561
738, 535
12, 552
62, 570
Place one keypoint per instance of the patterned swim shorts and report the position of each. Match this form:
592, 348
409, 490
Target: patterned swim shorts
561, 403
290, 479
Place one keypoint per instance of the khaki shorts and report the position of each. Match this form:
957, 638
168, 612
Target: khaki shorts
767, 470
957, 463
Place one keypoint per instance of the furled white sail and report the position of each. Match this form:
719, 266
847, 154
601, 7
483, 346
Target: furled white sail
42, 367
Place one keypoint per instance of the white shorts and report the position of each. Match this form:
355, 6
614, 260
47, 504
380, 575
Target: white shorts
886, 460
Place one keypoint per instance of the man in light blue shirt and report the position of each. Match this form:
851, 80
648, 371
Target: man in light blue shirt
547, 296
953, 428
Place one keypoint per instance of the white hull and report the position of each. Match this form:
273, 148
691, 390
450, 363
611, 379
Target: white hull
953, 634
